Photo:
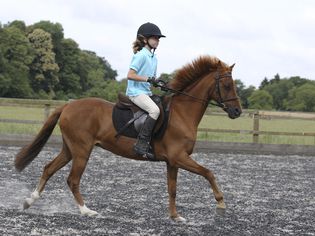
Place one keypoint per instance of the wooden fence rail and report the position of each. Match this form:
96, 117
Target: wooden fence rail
257, 116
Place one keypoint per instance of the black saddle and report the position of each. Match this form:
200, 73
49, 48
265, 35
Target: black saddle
128, 118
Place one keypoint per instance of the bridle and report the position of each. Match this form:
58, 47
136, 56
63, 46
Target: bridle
219, 103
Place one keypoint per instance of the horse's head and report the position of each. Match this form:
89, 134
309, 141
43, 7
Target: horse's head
224, 92
206, 79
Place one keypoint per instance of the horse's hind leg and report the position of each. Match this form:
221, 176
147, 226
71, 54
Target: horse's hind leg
60, 161
80, 159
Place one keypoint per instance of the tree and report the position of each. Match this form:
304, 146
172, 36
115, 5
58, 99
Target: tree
243, 92
69, 79
279, 91
16, 55
261, 100
109, 73
302, 98
44, 69
18, 24
298, 81
5, 80
36, 61
91, 70
276, 79
57, 35
108, 90
263, 83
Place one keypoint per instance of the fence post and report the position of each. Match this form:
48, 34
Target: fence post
46, 111
256, 127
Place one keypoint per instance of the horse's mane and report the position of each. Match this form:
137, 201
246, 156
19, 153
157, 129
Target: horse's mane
194, 71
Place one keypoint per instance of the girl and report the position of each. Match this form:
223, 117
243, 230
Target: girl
141, 74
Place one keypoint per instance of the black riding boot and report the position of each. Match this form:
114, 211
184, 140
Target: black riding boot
142, 147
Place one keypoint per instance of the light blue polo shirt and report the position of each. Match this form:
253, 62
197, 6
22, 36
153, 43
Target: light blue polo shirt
145, 64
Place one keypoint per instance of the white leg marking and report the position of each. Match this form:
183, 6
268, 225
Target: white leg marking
179, 219
221, 205
29, 201
86, 211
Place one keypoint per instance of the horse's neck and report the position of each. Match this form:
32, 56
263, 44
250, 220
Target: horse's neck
192, 109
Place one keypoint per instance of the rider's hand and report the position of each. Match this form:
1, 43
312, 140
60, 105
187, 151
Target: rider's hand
153, 81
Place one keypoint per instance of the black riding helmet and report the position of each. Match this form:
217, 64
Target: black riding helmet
148, 29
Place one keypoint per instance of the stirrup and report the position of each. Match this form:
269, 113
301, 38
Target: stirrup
150, 156
146, 154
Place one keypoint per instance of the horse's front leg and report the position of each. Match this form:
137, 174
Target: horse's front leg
187, 163
171, 183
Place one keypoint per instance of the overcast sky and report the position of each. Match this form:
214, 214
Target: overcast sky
262, 37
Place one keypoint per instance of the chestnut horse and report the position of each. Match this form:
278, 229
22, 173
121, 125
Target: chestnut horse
87, 122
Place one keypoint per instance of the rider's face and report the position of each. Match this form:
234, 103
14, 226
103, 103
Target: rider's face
153, 41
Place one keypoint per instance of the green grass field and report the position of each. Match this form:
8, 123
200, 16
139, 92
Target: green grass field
246, 123
22, 113
208, 121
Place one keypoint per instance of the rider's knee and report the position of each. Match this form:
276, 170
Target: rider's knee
155, 112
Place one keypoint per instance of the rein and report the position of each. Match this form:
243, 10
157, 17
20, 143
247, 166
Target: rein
219, 103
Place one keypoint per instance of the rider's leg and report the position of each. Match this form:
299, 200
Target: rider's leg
143, 143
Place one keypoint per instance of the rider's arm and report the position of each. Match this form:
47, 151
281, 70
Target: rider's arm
132, 74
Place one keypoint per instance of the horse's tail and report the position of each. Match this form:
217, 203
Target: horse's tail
29, 152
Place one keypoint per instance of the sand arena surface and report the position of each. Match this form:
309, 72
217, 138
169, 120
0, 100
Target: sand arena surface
265, 195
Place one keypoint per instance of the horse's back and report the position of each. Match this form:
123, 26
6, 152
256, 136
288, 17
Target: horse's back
90, 101
86, 115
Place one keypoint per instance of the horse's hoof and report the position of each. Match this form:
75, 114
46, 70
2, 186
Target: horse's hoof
92, 213
179, 219
220, 211
26, 205
221, 208
87, 212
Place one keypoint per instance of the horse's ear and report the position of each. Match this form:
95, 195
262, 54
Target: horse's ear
231, 67
219, 64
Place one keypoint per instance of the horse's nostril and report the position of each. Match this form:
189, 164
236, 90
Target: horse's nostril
237, 111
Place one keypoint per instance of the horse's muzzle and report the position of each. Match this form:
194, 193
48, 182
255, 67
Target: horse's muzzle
233, 112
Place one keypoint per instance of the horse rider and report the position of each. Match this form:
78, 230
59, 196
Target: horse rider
141, 76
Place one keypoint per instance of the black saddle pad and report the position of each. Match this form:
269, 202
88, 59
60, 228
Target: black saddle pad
122, 117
